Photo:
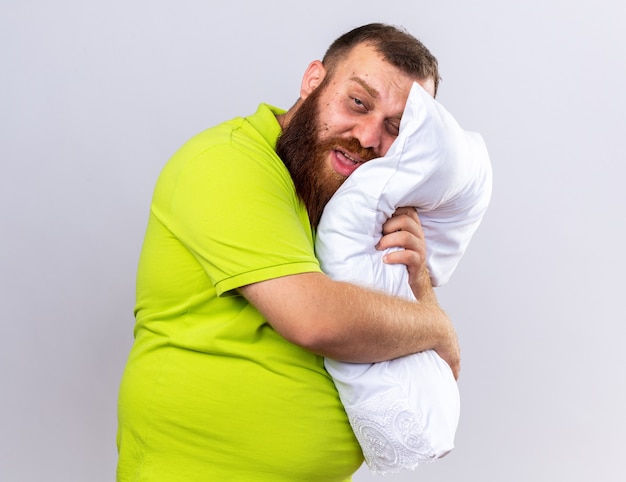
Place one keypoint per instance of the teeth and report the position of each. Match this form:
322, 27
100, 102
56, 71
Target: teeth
350, 157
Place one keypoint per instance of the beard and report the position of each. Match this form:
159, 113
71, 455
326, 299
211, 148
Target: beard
305, 155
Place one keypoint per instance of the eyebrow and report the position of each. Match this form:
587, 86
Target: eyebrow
374, 93
370, 90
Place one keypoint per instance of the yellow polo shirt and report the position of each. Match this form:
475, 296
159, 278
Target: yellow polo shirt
211, 392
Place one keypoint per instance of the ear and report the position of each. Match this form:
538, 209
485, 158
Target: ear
313, 76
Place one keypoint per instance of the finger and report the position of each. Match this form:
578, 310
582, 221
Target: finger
399, 222
414, 260
399, 230
401, 239
404, 219
409, 211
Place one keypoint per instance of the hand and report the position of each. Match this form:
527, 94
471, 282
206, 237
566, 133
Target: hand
404, 230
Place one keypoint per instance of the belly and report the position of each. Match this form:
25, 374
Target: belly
199, 416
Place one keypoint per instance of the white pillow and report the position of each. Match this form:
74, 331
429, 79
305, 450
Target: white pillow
405, 411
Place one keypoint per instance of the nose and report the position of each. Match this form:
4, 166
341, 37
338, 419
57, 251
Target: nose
369, 132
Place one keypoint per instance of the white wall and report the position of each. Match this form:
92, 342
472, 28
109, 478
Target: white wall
94, 98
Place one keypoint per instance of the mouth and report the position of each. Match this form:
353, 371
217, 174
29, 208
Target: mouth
345, 163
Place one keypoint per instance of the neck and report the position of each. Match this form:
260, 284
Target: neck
283, 119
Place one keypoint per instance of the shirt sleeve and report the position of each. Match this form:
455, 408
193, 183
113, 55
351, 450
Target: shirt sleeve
235, 209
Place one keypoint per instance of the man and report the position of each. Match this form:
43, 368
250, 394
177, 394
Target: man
225, 380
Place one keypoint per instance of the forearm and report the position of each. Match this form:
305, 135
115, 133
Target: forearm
347, 322
360, 325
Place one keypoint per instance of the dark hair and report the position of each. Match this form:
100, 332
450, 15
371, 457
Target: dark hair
398, 47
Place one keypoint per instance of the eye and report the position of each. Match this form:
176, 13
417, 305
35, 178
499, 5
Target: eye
393, 128
358, 104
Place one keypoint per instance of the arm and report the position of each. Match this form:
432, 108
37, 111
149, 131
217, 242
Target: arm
347, 322
350, 323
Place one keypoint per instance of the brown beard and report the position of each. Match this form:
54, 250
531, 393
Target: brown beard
305, 156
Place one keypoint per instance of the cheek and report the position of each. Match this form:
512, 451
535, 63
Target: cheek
326, 128
333, 126
333, 119
386, 144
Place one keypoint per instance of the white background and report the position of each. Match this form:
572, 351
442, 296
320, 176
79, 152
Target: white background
95, 97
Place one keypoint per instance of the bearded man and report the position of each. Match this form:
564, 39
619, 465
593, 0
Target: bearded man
225, 380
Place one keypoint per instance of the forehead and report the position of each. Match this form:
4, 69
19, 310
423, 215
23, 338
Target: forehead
365, 60
365, 66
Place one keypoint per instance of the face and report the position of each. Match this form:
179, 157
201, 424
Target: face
363, 100
342, 121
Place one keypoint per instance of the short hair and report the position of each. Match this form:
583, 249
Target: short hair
397, 46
